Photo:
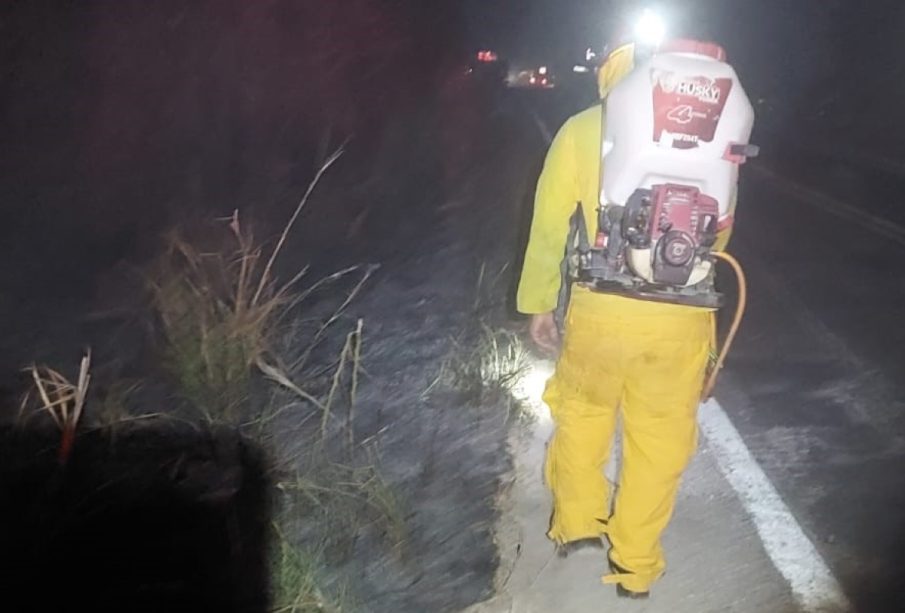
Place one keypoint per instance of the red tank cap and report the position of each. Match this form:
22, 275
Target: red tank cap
698, 47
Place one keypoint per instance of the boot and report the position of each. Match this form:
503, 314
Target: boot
621, 591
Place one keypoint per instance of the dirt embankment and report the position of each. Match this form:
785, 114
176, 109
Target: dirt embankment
435, 205
123, 127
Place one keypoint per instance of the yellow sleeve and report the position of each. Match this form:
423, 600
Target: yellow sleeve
723, 236
722, 239
558, 193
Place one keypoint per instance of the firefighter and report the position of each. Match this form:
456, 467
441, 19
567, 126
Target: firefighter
644, 359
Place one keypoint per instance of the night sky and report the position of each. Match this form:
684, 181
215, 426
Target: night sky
208, 76
543, 29
791, 54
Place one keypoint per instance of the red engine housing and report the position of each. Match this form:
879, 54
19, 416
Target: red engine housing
682, 208
682, 224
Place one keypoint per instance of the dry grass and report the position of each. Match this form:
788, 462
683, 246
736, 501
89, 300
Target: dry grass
488, 363
61, 399
298, 584
110, 406
214, 322
496, 358
219, 310
487, 288
348, 500
343, 498
340, 391
500, 356
222, 315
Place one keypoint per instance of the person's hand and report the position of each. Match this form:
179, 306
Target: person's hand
544, 332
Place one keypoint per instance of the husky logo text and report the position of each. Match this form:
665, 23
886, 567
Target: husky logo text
701, 88
698, 88
687, 108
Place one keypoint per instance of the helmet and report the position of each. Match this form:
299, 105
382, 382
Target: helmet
617, 64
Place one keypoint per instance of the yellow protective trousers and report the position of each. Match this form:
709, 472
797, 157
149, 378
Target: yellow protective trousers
649, 360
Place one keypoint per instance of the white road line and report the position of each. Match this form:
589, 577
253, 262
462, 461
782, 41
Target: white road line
826, 203
872, 160
794, 556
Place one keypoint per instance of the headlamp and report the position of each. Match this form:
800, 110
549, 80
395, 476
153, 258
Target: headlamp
650, 29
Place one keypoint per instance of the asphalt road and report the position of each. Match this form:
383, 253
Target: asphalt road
814, 385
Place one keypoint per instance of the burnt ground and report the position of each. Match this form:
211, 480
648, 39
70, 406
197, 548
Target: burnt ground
442, 445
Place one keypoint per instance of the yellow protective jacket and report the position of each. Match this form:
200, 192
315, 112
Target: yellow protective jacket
571, 175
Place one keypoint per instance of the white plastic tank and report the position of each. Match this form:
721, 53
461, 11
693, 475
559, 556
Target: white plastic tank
673, 120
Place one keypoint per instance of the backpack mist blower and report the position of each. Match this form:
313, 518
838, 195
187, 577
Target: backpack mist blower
677, 130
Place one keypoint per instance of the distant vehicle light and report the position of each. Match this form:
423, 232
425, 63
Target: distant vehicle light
580, 69
532, 80
650, 29
542, 70
487, 56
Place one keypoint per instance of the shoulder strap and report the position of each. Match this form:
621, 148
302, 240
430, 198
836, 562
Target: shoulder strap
576, 243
